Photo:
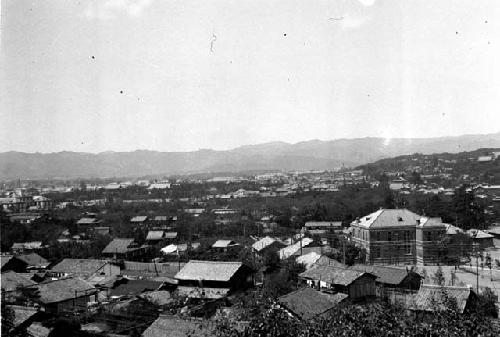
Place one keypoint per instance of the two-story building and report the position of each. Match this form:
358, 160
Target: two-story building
392, 236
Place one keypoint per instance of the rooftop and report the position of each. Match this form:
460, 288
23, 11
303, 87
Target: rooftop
79, 267
308, 303
389, 218
64, 289
177, 327
208, 270
333, 275
11, 280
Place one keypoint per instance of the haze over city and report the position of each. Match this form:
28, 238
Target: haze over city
122, 75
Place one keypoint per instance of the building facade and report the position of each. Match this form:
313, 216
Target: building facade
393, 236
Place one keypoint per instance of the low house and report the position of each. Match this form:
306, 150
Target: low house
322, 227
85, 268
83, 222
24, 247
224, 245
12, 283
433, 298
177, 327
66, 295
390, 279
354, 283
480, 238
213, 279
308, 303
101, 230
123, 249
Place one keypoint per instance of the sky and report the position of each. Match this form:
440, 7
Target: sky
121, 75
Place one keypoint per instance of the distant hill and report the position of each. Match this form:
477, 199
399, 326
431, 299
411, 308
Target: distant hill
314, 154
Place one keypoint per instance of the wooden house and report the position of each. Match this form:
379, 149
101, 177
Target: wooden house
354, 283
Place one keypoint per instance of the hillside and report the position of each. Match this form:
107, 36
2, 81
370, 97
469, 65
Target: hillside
314, 154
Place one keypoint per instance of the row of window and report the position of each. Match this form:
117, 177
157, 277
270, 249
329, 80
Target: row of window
405, 236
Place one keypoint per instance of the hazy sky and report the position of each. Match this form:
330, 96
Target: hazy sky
182, 75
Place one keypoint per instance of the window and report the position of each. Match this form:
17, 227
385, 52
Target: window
376, 252
378, 236
429, 236
389, 236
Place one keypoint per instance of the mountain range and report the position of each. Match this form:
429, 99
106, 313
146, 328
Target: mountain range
308, 155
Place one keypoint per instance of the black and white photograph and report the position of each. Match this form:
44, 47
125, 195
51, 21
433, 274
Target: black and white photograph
250, 168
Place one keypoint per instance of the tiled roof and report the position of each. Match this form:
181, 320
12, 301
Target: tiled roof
22, 313
64, 289
208, 270
33, 260
389, 218
11, 280
176, 327
308, 303
326, 261
134, 287
386, 275
118, 246
333, 275
431, 297
79, 267
308, 259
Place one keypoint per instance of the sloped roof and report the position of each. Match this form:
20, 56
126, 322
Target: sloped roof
154, 235
139, 218
87, 221
263, 243
64, 289
333, 275
10, 280
79, 267
32, 260
161, 218
170, 235
208, 270
389, 218
177, 327
430, 297
308, 259
4, 259
326, 261
288, 251
452, 230
22, 313
134, 287
479, 234
38, 330
224, 243
118, 246
426, 222
308, 303
326, 224
386, 275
